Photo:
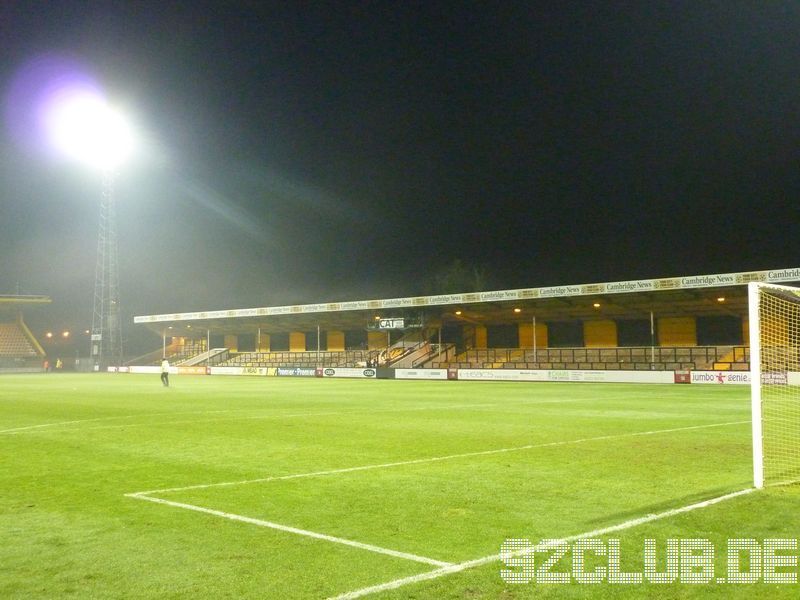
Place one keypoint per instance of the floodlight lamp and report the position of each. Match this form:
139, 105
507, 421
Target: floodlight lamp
82, 126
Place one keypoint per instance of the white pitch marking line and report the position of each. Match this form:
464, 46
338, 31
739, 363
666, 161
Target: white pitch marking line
35, 428
296, 415
295, 530
30, 428
161, 414
456, 568
431, 459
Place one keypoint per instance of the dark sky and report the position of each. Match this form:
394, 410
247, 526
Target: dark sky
308, 151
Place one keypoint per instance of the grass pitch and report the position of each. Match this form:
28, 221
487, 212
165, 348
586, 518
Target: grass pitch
112, 486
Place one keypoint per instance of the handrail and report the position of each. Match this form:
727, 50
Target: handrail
694, 357
434, 349
206, 357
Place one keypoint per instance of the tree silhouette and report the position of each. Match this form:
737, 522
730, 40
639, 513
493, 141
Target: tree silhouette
457, 277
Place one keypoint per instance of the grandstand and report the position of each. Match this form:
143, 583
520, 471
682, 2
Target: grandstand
704, 358
19, 349
679, 323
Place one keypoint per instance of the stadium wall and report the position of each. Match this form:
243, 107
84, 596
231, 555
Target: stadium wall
603, 333
526, 335
600, 334
377, 340
677, 331
263, 342
335, 341
297, 341
481, 337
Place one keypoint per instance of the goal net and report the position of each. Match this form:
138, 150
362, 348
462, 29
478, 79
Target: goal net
775, 387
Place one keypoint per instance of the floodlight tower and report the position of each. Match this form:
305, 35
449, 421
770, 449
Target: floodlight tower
106, 336
84, 127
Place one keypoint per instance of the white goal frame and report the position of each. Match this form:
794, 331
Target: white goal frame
756, 371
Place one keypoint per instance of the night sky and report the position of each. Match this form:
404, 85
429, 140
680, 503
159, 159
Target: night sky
307, 151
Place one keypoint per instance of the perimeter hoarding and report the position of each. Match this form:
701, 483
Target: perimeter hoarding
347, 372
260, 371
293, 372
420, 374
564, 375
721, 377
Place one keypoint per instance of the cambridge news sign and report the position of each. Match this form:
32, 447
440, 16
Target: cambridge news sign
561, 291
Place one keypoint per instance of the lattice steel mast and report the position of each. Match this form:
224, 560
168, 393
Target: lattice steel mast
106, 337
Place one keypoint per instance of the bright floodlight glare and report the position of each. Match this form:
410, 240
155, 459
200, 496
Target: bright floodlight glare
84, 127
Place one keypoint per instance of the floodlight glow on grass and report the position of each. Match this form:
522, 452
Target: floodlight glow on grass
82, 126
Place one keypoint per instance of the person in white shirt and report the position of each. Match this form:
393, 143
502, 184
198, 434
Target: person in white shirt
165, 371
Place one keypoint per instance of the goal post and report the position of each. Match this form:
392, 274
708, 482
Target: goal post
774, 322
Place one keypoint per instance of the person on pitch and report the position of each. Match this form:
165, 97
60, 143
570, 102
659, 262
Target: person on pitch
165, 372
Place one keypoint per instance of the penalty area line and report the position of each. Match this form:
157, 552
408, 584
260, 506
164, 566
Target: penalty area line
433, 459
478, 562
294, 530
